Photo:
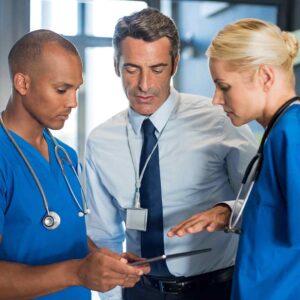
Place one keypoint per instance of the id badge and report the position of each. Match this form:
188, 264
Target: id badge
136, 218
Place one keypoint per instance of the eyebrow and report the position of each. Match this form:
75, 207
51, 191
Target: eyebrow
218, 80
159, 65
67, 85
152, 66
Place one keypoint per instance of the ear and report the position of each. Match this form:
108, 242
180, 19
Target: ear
175, 64
116, 66
266, 76
21, 83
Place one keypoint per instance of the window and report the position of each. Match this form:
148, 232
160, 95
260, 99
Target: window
198, 22
89, 25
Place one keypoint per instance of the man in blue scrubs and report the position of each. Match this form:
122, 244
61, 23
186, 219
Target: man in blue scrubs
35, 262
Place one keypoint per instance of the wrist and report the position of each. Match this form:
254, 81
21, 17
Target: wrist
73, 270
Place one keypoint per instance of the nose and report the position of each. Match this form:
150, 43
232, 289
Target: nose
72, 100
218, 98
144, 81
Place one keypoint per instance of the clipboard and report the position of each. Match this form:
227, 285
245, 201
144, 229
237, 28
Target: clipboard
169, 256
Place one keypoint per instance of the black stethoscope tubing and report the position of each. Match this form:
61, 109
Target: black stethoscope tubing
232, 226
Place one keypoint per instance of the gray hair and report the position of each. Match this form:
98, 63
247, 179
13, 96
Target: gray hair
149, 25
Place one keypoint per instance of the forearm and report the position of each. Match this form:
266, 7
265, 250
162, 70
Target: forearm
18, 281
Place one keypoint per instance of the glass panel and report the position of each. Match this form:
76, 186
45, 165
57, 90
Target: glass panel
104, 92
198, 22
52, 15
102, 16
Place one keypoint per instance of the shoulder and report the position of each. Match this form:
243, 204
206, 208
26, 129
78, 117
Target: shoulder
8, 160
199, 104
7, 150
202, 114
201, 108
284, 135
109, 130
289, 124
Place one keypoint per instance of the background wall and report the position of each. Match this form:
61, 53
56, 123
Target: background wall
197, 22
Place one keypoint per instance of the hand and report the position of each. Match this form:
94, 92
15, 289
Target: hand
211, 220
130, 257
101, 270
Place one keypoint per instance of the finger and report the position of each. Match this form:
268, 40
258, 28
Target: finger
130, 281
131, 257
197, 225
109, 253
181, 227
111, 266
126, 269
178, 229
145, 268
212, 228
113, 282
184, 223
215, 226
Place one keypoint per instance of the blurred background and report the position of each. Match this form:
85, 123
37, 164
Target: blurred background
89, 24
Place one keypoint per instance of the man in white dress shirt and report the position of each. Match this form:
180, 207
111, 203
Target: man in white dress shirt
202, 158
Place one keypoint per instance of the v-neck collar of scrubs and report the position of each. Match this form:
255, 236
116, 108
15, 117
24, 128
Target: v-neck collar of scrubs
27, 148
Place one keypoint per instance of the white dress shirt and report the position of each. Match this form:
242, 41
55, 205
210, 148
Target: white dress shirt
202, 160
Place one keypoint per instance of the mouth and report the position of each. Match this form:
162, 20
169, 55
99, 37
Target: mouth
144, 99
63, 117
227, 110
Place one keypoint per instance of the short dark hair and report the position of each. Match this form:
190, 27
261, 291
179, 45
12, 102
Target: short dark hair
149, 25
28, 49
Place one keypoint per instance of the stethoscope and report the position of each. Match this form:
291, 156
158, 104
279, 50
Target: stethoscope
52, 220
257, 161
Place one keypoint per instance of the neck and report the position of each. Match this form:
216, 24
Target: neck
24, 125
272, 105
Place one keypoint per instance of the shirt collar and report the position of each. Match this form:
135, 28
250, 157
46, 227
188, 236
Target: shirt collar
159, 118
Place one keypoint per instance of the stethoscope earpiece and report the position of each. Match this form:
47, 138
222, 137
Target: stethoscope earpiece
51, 220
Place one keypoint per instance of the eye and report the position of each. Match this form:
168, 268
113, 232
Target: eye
61, 91
158, 70
224, 88
131, 69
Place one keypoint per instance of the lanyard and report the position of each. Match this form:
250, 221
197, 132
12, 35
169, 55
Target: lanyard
139, 178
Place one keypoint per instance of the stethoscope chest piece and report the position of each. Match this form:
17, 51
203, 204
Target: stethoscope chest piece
51, 220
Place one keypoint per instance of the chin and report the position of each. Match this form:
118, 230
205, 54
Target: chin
237, 122
56, 126
145, 111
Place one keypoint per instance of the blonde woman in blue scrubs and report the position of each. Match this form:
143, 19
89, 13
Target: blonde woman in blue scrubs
251, 63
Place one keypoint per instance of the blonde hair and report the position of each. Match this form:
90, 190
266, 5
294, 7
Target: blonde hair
248, 43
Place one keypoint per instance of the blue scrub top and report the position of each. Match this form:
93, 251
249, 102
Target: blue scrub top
268, 260
24, 239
